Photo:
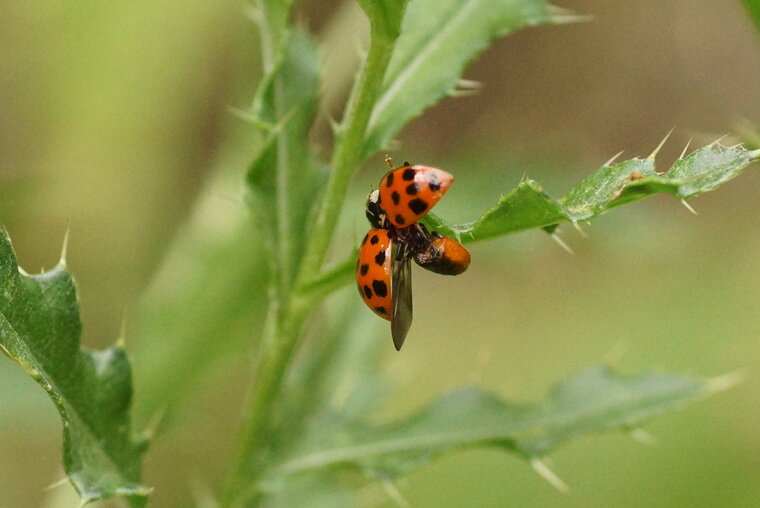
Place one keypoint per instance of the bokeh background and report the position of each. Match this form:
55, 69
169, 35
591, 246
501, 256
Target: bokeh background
116, 121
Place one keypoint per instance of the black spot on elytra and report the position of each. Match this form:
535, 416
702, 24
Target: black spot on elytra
367, 292
433, 183
395, 197
408, 174
380, 258
381, 310
418, 206
364, 269
381, 289
374, 239
389, 180
411, 189
400, 220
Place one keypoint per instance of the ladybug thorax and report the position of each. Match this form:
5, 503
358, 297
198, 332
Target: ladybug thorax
374, 212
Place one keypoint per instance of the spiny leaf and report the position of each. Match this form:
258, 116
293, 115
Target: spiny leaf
92, 390
527, 206
438, 40
284, 177
596, 400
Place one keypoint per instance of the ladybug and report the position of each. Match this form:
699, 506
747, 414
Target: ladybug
409, 192
383, 269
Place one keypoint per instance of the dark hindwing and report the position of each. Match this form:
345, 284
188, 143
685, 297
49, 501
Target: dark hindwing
401, 294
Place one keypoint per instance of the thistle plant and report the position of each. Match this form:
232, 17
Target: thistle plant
295, 434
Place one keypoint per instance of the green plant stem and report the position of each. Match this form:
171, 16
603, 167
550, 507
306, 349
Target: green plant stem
282, 329
347, 155
339, 275
285, 322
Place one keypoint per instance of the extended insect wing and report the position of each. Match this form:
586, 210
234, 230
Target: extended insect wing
401, 293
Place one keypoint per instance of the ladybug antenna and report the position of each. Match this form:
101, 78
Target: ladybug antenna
389, 161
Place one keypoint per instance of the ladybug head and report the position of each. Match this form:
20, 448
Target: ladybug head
375, 214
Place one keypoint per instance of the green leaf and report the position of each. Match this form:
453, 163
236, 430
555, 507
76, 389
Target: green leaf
385, 16
753, 7
213, 278
596, 400
284, 178
92, 390
439, 38
527, 207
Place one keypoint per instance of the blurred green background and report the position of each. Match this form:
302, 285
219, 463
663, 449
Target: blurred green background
115, 121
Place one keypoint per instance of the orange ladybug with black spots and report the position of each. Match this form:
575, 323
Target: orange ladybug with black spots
383, 268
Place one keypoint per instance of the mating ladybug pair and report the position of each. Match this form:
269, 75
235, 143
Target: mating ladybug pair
383, 270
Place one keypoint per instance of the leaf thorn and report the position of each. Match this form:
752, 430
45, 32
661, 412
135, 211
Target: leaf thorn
65, 247
60, 483
243, 114
683, 153
609, 162
643, 437
560, 15
121, 340
394, 493
717, 141
465, 88
662, 143
335, 125
579, 229
151, 429
562, 244
547, 474
726, 381
689, 207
